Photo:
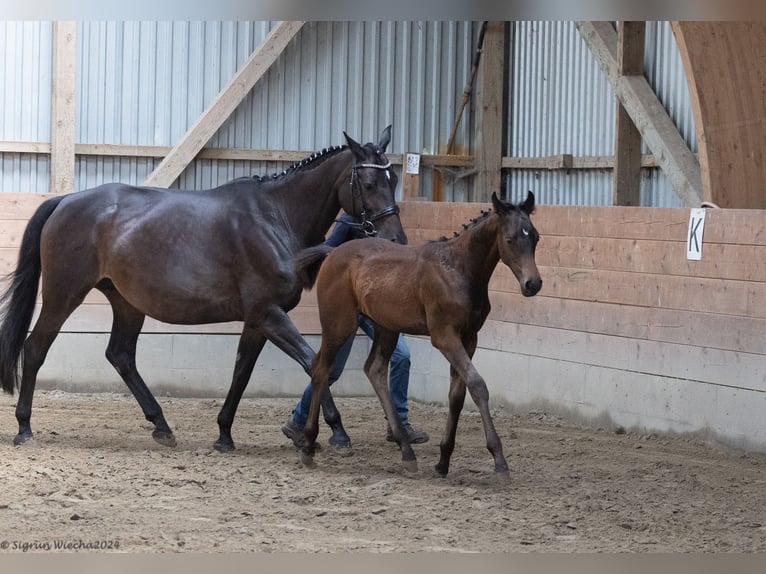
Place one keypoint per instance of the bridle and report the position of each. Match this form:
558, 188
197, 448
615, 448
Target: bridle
367, 224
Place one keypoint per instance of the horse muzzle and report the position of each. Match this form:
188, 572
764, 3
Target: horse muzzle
531, 287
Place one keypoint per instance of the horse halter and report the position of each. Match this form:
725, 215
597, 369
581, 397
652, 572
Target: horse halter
367, 224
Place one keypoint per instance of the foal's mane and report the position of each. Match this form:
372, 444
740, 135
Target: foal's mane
471, 224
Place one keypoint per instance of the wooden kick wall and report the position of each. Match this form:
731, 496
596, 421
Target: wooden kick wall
626, 330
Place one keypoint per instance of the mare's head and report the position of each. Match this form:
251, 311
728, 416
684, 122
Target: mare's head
516, 240
371, 197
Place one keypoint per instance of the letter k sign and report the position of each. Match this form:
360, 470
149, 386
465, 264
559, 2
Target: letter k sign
694, 240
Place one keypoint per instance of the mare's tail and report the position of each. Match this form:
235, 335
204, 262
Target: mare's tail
308, 262
17, 303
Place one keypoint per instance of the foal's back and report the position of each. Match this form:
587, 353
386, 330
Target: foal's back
400, 287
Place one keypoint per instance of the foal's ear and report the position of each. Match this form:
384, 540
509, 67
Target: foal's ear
385, 138
499, 205
529, 204
355, 148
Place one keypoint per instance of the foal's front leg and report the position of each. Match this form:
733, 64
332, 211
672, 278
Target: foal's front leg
456, 400
459, 354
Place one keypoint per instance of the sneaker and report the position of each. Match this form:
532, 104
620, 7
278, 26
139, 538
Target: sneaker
293, 432
416, 436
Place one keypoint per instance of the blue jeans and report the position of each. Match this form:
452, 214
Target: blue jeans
399, 375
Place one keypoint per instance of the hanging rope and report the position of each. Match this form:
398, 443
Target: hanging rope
468, 87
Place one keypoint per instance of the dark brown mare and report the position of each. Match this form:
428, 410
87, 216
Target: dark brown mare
188, 257
437, 289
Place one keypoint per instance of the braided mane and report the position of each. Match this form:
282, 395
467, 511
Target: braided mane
472, 223
314, 157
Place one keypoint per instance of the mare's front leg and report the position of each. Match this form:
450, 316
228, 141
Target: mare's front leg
251, 343
459, 354
121, 353
280, 330
376, 369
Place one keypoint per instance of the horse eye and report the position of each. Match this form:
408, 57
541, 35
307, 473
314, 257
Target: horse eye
388, 175
525, 231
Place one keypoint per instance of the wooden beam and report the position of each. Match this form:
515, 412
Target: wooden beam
647, 113
223, 105
63, 106
724, 69
627, 140
489, 113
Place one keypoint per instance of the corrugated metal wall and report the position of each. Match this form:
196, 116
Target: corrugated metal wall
146, 83
25, 102
562, 103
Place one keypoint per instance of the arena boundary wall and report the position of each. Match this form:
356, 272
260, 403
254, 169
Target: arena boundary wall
626, 331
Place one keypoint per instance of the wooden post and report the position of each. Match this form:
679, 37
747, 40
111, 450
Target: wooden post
63, 107
223, 105
627, 140
659, 132
489, 114
411, 176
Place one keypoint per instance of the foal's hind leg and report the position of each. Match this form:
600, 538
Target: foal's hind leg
121, 353
376, 369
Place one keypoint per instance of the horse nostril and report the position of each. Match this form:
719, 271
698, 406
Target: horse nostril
532, 286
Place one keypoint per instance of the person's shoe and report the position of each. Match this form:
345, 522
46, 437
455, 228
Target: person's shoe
294, 432
416, 436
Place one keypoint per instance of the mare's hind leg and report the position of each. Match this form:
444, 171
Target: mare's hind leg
121, 353
376, 369
35, 350
53, 314
459, 354
251, 342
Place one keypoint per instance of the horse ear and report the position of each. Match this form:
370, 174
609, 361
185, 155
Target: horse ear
385, 138
499, 205
357, 149
529, 204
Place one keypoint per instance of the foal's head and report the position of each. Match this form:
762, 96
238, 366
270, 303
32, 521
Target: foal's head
516, 241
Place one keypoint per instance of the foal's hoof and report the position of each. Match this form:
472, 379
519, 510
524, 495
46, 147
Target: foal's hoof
410, 465
165, 438
502, 476
22, 437
308, 460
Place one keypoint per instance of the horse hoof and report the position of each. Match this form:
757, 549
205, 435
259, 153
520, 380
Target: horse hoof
165, 438
343, 450
440, 472
222, 446
21, 438
410, 465
308, 460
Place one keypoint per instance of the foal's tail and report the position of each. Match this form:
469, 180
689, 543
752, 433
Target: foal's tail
308, 262
17, 303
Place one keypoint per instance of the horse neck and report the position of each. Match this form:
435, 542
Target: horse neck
308, 196
476, 246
